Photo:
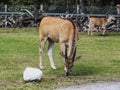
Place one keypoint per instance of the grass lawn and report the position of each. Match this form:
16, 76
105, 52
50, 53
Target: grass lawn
19, 48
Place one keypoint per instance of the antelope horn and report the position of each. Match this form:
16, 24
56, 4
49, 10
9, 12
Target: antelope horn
66, 52
74, 54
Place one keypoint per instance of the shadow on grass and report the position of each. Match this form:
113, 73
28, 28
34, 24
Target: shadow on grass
109, 34
84, 70
78, 70
33, 81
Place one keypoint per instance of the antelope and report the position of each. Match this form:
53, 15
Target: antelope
62, 31
100, 22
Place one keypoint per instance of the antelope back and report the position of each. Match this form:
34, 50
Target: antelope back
57, 29
98, 21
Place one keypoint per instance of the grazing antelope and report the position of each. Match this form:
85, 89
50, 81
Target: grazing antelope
100, 22
60, 30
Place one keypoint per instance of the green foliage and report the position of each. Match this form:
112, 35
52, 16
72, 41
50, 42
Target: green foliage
31, 2
60, 2
26, 2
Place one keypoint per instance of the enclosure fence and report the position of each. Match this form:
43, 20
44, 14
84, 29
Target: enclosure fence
26, 12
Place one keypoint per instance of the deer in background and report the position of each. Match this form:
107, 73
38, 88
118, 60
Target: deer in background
101, 22
62, 31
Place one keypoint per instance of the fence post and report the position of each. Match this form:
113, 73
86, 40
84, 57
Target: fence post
118, 13
78, 6
5, 15
78, 3
41, 7
118, 9
81, 7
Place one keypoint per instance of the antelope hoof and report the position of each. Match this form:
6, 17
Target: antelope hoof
53, 67
67, 74
41, 67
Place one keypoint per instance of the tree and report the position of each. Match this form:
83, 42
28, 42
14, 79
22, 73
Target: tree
4, 1
23, 2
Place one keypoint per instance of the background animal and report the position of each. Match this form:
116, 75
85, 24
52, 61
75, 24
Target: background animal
96, 24
102, 22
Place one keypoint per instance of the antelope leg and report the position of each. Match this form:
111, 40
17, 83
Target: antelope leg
41, 50
50, 50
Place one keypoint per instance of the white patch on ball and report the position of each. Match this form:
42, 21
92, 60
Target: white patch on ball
31, 74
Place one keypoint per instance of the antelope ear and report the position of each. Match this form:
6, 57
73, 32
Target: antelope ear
78, 57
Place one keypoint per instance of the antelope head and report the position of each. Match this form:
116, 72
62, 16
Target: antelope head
111, 19
69, 61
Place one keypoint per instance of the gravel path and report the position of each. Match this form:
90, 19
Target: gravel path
96, 86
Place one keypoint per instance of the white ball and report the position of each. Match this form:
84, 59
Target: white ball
31, 74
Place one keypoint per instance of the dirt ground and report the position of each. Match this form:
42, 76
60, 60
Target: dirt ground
95, 86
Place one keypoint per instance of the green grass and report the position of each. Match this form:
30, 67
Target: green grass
19, 48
